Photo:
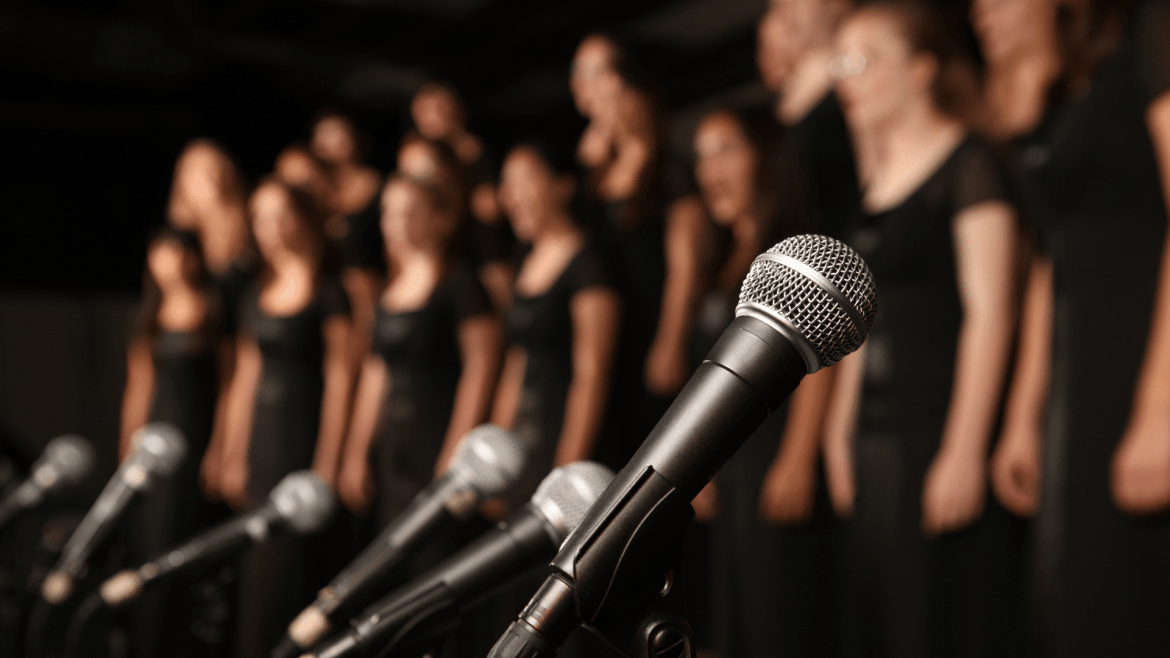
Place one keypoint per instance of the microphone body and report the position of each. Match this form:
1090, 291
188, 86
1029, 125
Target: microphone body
412, 619
64, 462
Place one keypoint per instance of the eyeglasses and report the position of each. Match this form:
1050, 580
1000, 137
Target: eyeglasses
849, 65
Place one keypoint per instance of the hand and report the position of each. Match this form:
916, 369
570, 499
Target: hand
954, 493
211, 476
789, 492
493, 510
1015, 470
706, 504
234, 483
1141, 465
666, 369
355, 486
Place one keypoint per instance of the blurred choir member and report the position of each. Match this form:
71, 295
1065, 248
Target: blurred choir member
171, 376
439, 115
1083, 91
289, 397
430, 376
354, 226
773, 586
621, 150
562, 328
919, 404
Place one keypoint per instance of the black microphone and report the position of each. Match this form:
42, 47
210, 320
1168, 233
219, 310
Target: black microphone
158, 450
301, 503
412, 619
63, 463
806, 303
487, 463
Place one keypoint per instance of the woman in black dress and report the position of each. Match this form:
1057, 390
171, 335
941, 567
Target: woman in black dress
430, 376
563, 324
773, 585
1082, 90
289, 398
933, 557
171, 377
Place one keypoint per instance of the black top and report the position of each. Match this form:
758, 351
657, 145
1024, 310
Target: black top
230, 286
823, 151
361, 246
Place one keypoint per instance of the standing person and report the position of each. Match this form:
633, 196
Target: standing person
289, 398
773, 585
436, 353
171, 377
933, 556
1082, 89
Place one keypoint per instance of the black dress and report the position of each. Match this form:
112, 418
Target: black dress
822, 151
360, 247
276, 580
1091, 179
421, 352
911, 596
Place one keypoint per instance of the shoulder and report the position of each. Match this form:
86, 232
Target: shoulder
590, 268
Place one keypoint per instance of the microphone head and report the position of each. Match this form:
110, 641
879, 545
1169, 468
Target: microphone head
815, 291
568, 492
489, 459
65, 461
159, 448
303, 501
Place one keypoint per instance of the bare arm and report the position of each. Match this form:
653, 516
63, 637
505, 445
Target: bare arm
985, 247
211, 468
1141, 467
361, 286
335, 399
1015, 466
480, 343
508, 390
840, 425
139, 391
354, 480
238, 422
595, 314
789, 490
666, 362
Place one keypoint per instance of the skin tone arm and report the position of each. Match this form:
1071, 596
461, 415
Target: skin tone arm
1141, 465
139, 389
788, 493
355, 482
633, 140
335, 399
1015, 465
840, 423
956, 483
211, 468
361, 286
238, 422
666, 362
480, 343
508, 389
595, 315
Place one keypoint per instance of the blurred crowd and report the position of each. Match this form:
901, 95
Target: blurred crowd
988, 476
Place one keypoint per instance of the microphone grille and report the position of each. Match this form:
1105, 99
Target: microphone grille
568, 492
819, 290
159, 448
490, 459
65, 460
303, 501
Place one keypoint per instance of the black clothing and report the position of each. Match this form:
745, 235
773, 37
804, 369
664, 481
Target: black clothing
543, 325
823, 153
914, 596
230, 286
277, 580
1102, 579
422, 354
361, 245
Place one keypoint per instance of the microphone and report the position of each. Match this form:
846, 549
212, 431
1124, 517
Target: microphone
301, 503
487, 463
63, 463
411, 620
806, 303
159, 448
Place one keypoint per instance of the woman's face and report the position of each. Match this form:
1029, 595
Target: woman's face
435, 113
725, 167
300, 170
1009, 28
276, 227
199, 182
530, 192
592, 78
167, 262
409, 218
333, 141
877, 74
787, 31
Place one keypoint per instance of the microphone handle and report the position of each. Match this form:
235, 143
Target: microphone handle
97, 523
245, 530
23, 496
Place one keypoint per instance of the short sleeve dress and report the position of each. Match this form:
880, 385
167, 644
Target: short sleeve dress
909, 595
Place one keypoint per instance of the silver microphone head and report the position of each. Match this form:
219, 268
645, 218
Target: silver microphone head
815, 291
303, 501
568, 492
489, 459
159, 448
64, 461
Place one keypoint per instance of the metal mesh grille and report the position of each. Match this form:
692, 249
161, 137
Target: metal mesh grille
490, 459
568, 492
804, 304
303, 500
159, 448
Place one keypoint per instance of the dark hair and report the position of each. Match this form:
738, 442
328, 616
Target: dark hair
1087, 32
361, 141
552, 151
956, 84
312, 219
146, 320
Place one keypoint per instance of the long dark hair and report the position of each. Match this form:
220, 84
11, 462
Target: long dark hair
1087, 32
146, 320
